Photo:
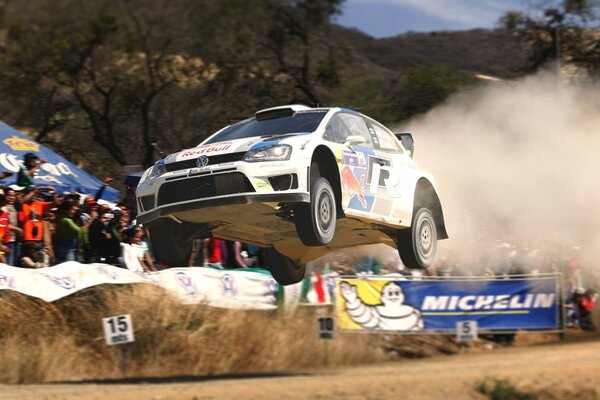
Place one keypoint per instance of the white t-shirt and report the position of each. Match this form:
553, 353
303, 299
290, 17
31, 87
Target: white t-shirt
130, 258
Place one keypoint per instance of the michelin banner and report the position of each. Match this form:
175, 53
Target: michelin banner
238, 288
438, 304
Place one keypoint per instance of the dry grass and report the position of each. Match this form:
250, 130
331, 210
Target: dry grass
43, 342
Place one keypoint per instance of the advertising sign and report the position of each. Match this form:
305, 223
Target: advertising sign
388, 304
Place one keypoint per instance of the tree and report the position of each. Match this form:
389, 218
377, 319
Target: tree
559, 31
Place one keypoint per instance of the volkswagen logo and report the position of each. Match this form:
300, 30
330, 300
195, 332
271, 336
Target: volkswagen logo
202, 161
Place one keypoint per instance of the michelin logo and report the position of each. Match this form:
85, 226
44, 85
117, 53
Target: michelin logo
489, 302
392, 314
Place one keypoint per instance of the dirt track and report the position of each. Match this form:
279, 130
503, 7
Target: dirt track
555, 370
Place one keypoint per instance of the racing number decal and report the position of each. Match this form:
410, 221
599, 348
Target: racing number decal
382, 174
390, 182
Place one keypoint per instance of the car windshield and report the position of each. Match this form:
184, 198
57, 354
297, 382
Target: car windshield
301, 121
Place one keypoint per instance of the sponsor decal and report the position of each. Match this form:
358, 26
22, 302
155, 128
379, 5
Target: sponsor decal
104, 271
12, 163
353, 159
391, 312
272, 287
64, 282
488, 302
352, 186
20, 144
206, 149
439, 304
7, 281
391, 182
188, 283
228, 285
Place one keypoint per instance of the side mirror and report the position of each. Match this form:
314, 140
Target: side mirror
407, 142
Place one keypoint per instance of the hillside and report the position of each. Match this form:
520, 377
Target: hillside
494, 52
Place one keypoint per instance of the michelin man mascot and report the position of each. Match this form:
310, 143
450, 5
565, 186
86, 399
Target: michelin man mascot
391, 315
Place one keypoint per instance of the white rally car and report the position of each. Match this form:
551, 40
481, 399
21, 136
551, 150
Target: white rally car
298, 181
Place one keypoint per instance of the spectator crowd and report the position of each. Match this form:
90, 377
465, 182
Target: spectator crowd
40, 227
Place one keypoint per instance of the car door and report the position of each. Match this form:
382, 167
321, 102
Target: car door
353, 161
392, 175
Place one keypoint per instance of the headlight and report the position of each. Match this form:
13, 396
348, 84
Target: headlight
277, 152
154, 172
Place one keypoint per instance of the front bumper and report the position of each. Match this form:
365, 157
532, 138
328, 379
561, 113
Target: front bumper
224, 184
168, 210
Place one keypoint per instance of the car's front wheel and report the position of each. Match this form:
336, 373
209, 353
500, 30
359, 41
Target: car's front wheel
284, 270
417, 245
172, 242
315, 221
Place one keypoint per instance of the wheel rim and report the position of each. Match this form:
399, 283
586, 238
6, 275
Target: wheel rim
324, 213
425, 240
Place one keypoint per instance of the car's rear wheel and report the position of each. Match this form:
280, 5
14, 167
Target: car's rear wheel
417, 245
285, 270
315, 221
172, 242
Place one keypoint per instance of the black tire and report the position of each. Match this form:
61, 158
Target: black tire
315, 221
285, 270
172, 242
417, 245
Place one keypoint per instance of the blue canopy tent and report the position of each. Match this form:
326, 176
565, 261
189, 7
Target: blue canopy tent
57, 172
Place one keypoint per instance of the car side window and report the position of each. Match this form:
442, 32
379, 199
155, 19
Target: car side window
342, 125
387, 142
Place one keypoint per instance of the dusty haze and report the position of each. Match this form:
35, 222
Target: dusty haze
516, 162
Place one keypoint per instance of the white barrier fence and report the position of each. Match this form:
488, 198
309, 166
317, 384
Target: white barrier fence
237, 289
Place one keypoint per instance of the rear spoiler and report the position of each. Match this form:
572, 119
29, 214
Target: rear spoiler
407, 141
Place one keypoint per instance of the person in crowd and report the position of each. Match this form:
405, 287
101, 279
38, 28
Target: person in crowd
130, 256
31, 257
104, 245
49, 219
142, 248
232, 257
198, 257
31, 164
35, 204
68, 234
213, 254
14, 234
584, 304
4, 227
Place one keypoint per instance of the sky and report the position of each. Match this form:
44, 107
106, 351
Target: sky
384, 18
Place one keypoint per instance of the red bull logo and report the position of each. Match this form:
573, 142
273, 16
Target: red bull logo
352, 186
211, 148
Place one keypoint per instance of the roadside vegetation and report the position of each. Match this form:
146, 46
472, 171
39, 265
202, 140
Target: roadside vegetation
64, 340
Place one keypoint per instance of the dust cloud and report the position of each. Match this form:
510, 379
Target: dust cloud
516, 162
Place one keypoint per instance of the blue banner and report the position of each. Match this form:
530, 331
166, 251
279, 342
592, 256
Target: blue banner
57, 172
437, 305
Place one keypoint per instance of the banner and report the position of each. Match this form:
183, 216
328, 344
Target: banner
57, 172
391, 304
232, 288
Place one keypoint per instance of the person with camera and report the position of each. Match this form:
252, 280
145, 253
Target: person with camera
31, 164
104, 242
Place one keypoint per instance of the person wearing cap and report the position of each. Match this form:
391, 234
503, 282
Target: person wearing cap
31, 164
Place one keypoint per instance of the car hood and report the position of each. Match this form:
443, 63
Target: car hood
235, 146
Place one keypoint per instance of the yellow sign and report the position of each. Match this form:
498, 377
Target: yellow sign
20, 144
375, 305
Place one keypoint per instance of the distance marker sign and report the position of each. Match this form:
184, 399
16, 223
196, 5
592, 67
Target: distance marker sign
118, 329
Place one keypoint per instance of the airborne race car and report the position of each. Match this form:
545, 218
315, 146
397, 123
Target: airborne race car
298, 181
